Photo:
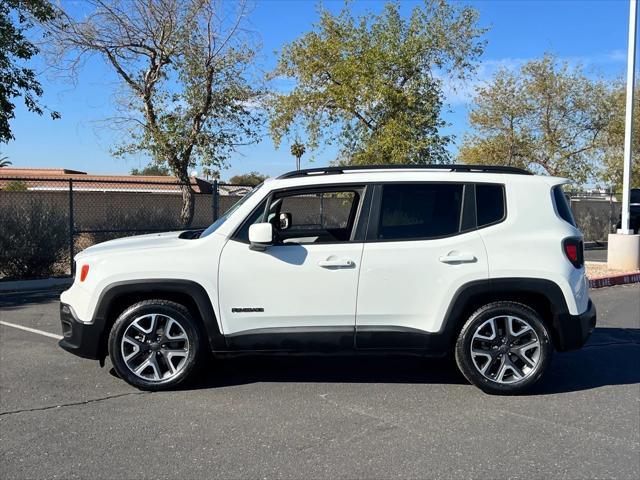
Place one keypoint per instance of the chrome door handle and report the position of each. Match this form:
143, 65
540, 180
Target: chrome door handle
336, 263
458, 258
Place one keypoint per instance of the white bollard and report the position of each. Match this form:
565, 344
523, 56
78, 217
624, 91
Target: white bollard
623, 252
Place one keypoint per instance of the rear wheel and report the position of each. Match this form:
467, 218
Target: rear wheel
155, 345
504, 348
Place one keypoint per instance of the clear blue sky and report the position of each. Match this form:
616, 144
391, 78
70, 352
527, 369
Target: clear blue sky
593, 33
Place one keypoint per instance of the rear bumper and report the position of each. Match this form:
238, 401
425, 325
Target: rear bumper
81, 339
574, 330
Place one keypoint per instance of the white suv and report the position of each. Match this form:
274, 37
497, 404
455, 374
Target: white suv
483, 262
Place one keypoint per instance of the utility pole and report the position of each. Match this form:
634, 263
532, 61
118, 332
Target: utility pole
624, 246
628, 121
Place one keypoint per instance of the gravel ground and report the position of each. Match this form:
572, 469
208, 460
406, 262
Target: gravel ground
600, 269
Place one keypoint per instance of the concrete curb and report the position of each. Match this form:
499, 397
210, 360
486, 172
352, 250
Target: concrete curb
30, 285
611, 280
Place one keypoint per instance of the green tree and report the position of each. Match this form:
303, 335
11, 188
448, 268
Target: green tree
152, 169
17, 80
373, 84
546, 116
184, 66
611, 174
4, 162
251, 178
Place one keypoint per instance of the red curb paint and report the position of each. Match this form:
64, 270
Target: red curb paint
611, 280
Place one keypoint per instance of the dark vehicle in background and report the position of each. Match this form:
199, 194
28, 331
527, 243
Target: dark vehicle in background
634, 211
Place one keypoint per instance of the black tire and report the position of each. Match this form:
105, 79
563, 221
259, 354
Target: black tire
499, 310
188, 365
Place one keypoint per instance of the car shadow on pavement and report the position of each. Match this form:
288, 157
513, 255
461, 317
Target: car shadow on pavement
329, 369
609, 358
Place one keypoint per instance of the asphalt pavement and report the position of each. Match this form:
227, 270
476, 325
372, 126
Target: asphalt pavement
64, 417
598, 254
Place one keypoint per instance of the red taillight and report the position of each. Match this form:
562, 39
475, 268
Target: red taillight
84, 271
573, 251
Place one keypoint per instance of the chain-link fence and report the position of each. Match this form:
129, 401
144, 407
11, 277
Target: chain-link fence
44, 222
597, 214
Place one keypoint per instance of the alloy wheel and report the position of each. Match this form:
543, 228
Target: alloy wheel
155, 347
505, 349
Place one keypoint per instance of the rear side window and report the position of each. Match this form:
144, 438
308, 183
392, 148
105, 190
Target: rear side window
489, 203
562, 205
412, 211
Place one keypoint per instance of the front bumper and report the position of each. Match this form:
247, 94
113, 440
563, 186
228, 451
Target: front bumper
574, 330
82, 339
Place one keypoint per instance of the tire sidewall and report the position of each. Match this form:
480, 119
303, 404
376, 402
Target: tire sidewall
125, 319
463, 347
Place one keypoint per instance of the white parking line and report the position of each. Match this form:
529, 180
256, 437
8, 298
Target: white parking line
32, 330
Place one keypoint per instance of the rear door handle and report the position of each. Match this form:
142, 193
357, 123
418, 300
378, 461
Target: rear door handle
458, 258
336, 263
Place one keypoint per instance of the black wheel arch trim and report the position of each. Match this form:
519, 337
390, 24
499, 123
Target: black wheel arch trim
566, 332
145, 287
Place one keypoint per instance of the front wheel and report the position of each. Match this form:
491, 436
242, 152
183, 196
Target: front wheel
503, 348
155, 345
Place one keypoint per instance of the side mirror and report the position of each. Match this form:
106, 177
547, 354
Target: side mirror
260, 236
285, 221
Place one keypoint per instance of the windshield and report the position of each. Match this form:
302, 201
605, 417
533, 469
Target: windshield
215, 225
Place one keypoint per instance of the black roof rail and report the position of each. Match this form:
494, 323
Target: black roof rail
450, 167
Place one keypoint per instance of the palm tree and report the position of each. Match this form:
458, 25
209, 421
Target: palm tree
4, 162
297, 150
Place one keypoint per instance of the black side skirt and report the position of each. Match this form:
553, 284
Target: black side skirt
336, 339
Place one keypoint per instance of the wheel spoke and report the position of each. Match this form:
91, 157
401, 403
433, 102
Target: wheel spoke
501, 370
519, 374
485, 354
521, 352
169, 355
523, 357
150, 362
512, 331
136, 348
154, 323
153, 363
490, 323
167, 331
529, 345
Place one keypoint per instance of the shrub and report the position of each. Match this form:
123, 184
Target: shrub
135, 222
32, 238
16, 186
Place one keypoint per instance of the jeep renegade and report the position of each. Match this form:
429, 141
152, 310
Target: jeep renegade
481, 262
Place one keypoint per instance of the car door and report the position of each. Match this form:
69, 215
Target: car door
300, 293
421, 246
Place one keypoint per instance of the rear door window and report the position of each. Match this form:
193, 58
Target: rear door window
420, 211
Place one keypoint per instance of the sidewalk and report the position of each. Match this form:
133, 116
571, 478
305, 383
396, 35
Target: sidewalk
12, 286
